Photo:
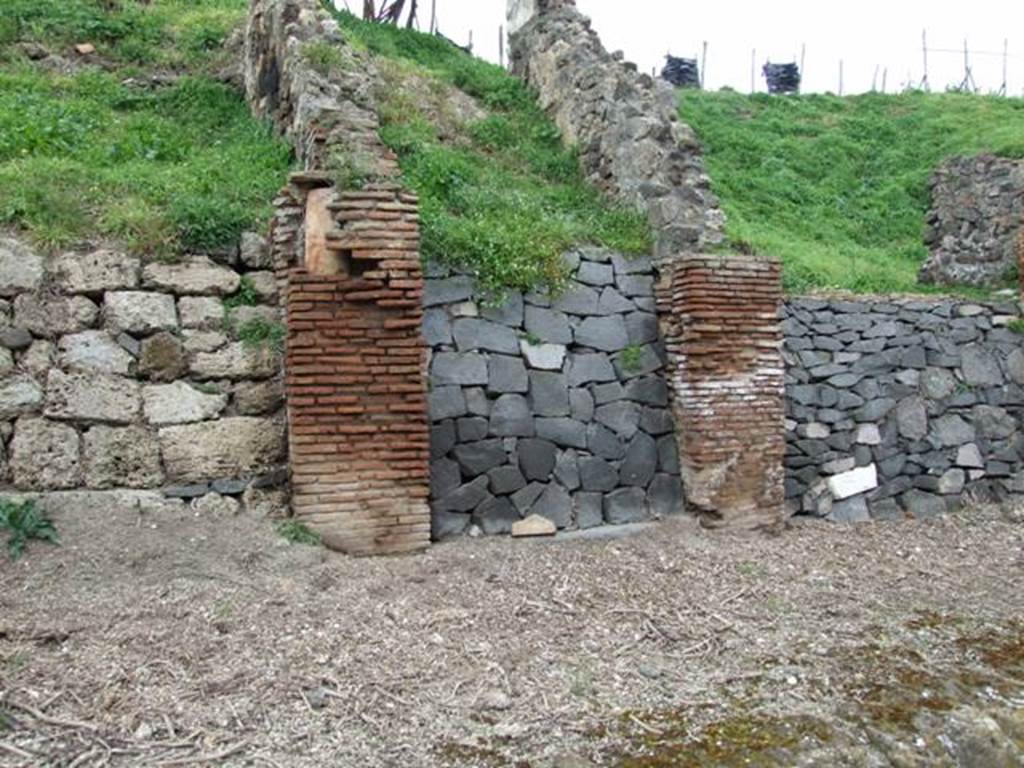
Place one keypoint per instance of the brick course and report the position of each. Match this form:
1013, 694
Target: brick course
723, 337
355, 371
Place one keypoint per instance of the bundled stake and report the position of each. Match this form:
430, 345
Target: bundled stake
682, 73
782, 78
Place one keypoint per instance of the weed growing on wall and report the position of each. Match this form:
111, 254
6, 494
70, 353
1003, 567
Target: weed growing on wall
88, 150
22, 522
838, 187
503, 197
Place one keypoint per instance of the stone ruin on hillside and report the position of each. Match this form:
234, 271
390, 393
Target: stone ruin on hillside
976, 218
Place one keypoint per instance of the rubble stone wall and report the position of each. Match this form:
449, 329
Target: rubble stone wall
632, 142
550, 405
975, 220
122, 373
896, 408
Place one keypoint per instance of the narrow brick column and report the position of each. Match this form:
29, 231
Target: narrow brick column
355, 374
724, 339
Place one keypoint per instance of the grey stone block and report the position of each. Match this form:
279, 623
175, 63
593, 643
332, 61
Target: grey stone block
563, 431
626, 505
602, 442
463, 368
444, 524
635, 285
577, 300
536, 458
444, 477
567, 470
506, 374
595, 274
555, 504
922, 505
668, 455
465, 497
656, 421
548, 325
608, 393
495, 516
980, 367
588, 507
607, 334
442, 438
479, 457
875, 410
509, 311
190, 491
596, 474
622, 417
447, 290
612, 302
523, 499
650, 361
950, 431
229, 486
472, 333
511, 417
641, 327
549, 394
631, 265
446, 403
476, 401
640, 461
471, 429
506, 479
581, 405
437, 329
649, 390
588, 368
665, 495
852, 510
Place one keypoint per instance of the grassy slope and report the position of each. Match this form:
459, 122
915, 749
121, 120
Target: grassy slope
839, 187
502, 196
165, 168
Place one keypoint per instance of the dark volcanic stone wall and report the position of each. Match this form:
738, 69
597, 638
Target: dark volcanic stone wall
895, 408
977, 208
550, 405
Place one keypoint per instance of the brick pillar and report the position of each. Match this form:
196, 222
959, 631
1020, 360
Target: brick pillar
355, 373
724, 340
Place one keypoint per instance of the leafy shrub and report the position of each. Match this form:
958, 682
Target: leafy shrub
23, 522
298, 533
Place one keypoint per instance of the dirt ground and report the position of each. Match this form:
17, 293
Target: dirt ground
165, 639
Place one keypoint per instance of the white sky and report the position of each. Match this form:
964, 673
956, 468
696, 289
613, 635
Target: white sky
865, 35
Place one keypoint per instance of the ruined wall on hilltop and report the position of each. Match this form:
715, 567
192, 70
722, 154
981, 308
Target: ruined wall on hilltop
632, 142
975, 221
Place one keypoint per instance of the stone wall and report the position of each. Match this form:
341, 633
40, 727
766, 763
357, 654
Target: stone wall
897, 407
120, 373
724, 337
549, 405
632, 142
976, 215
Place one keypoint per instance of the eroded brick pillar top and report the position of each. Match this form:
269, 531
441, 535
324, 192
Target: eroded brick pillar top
724, 339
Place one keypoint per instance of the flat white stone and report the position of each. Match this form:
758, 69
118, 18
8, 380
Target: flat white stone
859, 480
546, 357
534, 525
868, 434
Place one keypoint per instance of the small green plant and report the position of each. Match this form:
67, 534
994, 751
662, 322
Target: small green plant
207, 388
351, 169
1016, 325
245, 296
298, 533
323, 57
631, 357
23, 522
532, 339
259, 332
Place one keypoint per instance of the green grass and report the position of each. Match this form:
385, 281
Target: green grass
503, 197
298, 533
23, 522
838, 187
164, 169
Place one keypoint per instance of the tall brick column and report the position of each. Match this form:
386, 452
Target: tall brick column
355, 372
724, 339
